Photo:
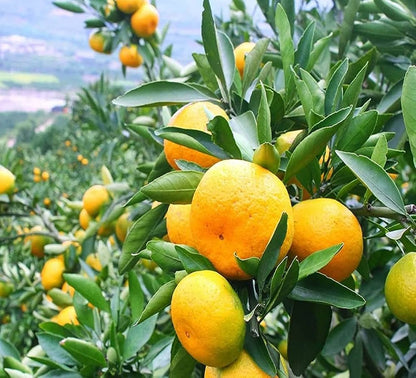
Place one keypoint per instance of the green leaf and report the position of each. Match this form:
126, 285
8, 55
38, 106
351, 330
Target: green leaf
277, 277
317, 94
88, 289
408, 101
8, 349
136, 296
252, 64
395, 10
218, 48
315, 142
159, 93
376, 179
223, 137
333, 95
391, 100
338, 338
13, 363
244, 129
195, 139
355, 358
317, 260
354, 89
347, 25
50, 344
68, 6
94, 23
164, 254
137, 336
84, 352
159, 301
256, 347
320, 46
374, 348
286, 49
308, 329
173, 187
270, 256
264, 131
304, 49
305, 97
138, 235
206, 72
192, 260
181, 362
319, 288
249, 265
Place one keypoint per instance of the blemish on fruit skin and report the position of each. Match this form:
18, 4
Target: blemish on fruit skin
221, 236
187, 334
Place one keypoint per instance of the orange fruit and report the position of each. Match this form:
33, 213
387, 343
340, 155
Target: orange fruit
36, 171
52, 273
94, 199
84, 161
235, 210
400, 288
191, 116
144, 21
36, 178
321, 223
208, 318
66, 316
240, 53
122, 225
106, 229
94, 262
99, 42
45, 176
37, 242
243, 367
129, 6
66, 288
47, 201
84, 219
130, 57
178, 224
7, 180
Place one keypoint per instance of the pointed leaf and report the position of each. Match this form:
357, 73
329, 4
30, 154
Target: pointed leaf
305, 45
84, 352
206, 72
244, 129
164, 255
68, 6
249, 265
223, 136
137, 336
136, 296
192, 260
338, 338
181, 362
264, 131
333, 93
409, 108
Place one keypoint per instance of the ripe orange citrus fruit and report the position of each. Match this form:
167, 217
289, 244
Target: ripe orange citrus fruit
94, 199
45, 176
144, 21
400, 289
94, 262
37, 242
321, 223
100, 42
240, 53
84, 219
66, 316
243, 367
130, 57
7, 180
208, 318
235, 210
122, 225
191, 116
52, 273
129, 6
178, 224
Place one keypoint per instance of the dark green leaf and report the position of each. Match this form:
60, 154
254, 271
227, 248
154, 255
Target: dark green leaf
391, 100
317, 260
138, 336
249, 265
84, 352
308, 330
164, 254
355, 358
277, 277
192, 260
375, 178
319, 288
206, 72
333, 95
256, 347
223, 136
68, 6
173, 187
340, 336
94, 23
136, 296
181, 362
347, 25
409, 108
354, 89
264, 131
319, 48
159, 301
244, 129
8, 349
138, 235
159, 93
374, 348
395, 10
305, 46
50, 344
271, 254
194, 139
88, 289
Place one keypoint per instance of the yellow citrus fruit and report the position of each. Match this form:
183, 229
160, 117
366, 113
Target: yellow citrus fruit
129, 6
84, 161
6, 289
37, 178
243, 367
94, 199
79, 157
400, 288
321, 223
191, 116
282, 347
144, 21
130, 57
47, 201
67, 143
99, 42
208, 318
106, 229
84, 219
66, 288
52, 273
76, 244
7, 180
94, 262
45, 176
235, 210
122, 225
66, 316
36, 171
178, 224
240, 53
285, 141
37, 242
